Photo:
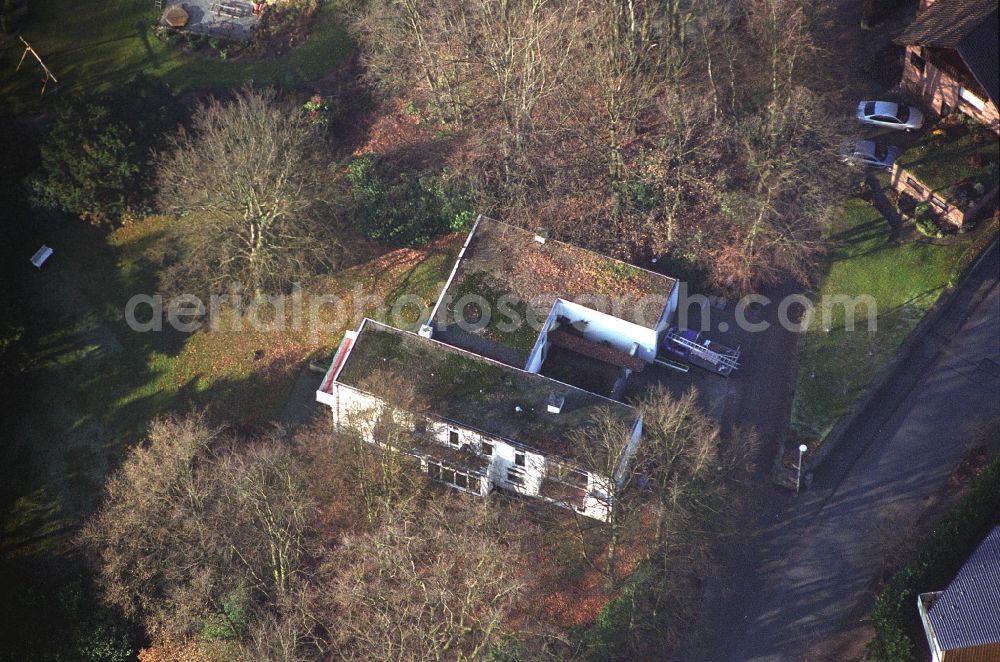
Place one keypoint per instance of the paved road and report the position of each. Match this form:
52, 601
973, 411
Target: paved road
798, 589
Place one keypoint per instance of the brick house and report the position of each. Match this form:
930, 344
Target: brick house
950, 59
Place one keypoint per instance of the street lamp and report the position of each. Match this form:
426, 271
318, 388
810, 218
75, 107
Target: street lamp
798, 474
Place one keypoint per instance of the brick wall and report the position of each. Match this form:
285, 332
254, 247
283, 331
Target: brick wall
940, 91
904, 182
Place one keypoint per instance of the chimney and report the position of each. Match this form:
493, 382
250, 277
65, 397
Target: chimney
556, 403
541, 235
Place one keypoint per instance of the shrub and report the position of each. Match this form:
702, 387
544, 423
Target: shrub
643, 196
232, 622
927, 221
928, 227
93, 160
897, 624
91, 164
906, 204
411, 209
975, 249
284, 25
316, 109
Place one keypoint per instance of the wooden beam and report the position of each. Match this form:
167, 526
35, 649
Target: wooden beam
28, 49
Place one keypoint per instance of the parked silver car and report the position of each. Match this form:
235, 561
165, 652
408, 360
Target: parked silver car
890, 115
869, 154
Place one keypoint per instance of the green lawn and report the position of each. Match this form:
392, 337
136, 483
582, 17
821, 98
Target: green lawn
904, 281
958, 153
96, 46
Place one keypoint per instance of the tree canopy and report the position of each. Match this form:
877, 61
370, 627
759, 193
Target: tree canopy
250, 181
94, 156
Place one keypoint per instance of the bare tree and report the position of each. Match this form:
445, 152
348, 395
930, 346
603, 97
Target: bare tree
200, 529
604, 446
523, 49
689, 464
682, 167
432, 582
285, 633
771, 224
266, 507
408, 44
155, 485
780, 29
385, 470
638, 46
596, 112
691, 475
249, 181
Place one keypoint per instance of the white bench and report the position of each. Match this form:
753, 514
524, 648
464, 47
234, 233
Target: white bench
41, 255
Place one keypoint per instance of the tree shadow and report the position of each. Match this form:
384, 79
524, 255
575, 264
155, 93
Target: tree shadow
356, 104
860, 241
404, 283
885, 207
142, 28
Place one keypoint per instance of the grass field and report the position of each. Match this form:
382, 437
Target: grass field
835, 365
96, 46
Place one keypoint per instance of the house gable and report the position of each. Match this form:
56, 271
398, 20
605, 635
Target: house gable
960, 38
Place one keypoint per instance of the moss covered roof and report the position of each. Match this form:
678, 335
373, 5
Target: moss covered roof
474, 392
505, 261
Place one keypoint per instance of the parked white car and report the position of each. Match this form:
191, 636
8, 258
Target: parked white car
890, 115
869, 154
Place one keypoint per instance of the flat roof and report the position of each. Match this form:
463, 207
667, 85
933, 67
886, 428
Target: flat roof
474, 392
502, 260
